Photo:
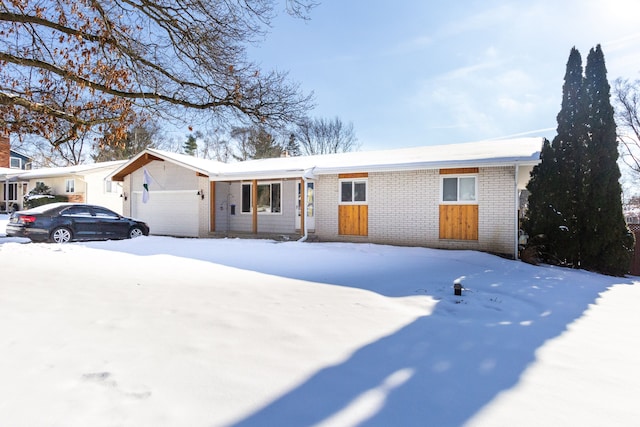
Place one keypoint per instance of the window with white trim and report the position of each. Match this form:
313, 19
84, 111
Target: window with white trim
111, 187
269, 198
459, 189
15, 163
70, 186
353, 191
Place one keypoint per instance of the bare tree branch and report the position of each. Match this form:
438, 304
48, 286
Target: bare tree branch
324, 136
627, 109
91, 62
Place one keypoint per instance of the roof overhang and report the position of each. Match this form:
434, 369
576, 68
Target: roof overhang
316, 171
149, 155
133, 165
424, 166
260, 175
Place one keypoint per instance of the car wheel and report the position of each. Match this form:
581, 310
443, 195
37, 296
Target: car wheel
135, 232
61, 235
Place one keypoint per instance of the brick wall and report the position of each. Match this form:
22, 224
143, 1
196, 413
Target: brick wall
403, 207
5, 150
404, 210
326, 204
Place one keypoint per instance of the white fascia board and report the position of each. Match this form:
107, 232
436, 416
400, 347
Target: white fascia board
260, 175
423, 166
179, 162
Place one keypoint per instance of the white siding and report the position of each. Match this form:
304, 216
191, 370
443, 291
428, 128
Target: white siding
96, 193
228, 194
174, 205
90, 186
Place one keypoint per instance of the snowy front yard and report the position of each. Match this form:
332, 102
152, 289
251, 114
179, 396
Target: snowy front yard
159, 331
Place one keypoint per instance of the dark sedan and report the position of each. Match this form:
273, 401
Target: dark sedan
63, 222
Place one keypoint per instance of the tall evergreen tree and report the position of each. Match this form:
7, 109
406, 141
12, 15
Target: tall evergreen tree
575, 196
292, 148
190, 146
556, 182
570, 145
607, 242
543, 218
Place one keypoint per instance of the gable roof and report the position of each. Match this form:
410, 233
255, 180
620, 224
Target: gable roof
202, 166
484, 153
16, 153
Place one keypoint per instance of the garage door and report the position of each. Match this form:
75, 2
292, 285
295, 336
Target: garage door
172, 213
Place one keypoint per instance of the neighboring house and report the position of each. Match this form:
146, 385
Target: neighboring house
12, 189
460, 196
80, 183
17, 160
12, 163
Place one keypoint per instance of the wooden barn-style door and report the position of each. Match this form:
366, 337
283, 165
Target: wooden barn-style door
459, 204
353, 210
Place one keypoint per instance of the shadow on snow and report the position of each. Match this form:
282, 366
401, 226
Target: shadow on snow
441, 369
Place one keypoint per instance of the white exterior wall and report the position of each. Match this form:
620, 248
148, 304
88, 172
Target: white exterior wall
404, 210
204, 224
58, 185
126, 196
177, 209
90, 186
403, 207
228, 194
96, 194
326, 200
497, 210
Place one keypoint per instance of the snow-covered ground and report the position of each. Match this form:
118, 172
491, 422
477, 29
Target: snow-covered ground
160, 331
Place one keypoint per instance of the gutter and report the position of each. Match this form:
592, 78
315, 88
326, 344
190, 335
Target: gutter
425, 165
303, 209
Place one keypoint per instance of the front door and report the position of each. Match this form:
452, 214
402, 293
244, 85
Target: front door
309, 206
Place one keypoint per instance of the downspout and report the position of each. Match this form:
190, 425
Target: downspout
303, 202
517, 204
303, 208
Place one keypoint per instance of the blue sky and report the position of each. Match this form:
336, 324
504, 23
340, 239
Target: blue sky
411, 73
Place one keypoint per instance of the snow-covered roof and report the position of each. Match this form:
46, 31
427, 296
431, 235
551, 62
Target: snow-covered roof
8, 173
484, 153
204, 166
474, 154
69, 170
207, 165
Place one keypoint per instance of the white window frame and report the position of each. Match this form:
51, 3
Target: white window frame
9, 188
111, 187
353, 182
458, 201
12, 160
260, 183
70, 185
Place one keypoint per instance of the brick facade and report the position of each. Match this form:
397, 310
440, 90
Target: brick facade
76, 198
404, 210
